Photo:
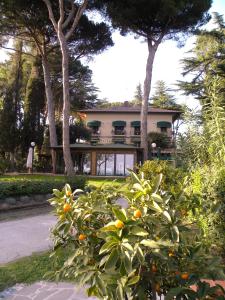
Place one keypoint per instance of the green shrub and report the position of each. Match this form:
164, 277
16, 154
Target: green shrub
173, 178
131, 253
31, 187
207, 185
3, 165
220, 185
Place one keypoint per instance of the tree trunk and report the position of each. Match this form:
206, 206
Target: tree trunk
12, 161
147, 88
66, 105
50, 107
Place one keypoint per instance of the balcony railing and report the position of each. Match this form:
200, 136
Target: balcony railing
95, 137
135, 138
118, 132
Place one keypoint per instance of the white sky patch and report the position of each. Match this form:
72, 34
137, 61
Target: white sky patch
117, 71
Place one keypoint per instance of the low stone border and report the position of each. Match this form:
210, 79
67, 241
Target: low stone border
23, 201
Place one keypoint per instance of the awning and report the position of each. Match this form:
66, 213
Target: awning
163, 124
118, 123
135, 124
94, 123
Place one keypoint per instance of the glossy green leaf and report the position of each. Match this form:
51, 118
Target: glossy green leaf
127, 262
108, 228
156, 197
140, 254
107, 246
120, 214
133, 280
175, 233
112, 260
57, 193
138, 186
119, 292
128, 246
136, 230
101, 285
153, 244
167, 216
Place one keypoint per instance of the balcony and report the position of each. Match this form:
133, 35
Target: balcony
135, 138
118, 136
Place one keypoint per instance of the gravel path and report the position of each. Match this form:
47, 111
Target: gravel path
23, 237
45, 291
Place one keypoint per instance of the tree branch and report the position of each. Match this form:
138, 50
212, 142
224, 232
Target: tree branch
76, 19
61, 10
70, 16
51, 15
8, 48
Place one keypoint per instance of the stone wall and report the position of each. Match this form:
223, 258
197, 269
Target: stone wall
23, 201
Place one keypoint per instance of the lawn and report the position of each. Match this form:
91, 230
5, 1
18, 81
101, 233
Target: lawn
95, 181
30, 269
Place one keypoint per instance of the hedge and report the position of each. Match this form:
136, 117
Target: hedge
30, 187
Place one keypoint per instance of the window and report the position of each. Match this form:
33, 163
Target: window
82, 163
119, 130
95, 130
137, 130
120, 159
110, 161
87, 163
101, 164
114, 164
163, 129
129, 163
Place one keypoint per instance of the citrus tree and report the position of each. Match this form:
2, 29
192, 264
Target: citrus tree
137, 252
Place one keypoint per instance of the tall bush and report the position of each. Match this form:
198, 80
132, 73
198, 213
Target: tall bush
133, 253
172, 180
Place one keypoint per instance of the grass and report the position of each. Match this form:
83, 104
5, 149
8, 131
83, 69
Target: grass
99, 181
91, 181
30, 269
11, 178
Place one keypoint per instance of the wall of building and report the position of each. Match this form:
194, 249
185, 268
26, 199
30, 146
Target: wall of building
107, 119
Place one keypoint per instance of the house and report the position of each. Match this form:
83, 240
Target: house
115, 143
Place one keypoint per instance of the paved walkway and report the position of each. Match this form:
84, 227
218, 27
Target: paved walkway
45, 291
25, 236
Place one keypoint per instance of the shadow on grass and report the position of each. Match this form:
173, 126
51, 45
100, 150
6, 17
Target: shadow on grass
30, 269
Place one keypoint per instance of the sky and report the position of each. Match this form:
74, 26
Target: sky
118, 70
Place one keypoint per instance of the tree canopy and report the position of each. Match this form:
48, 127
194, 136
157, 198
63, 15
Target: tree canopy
155, 21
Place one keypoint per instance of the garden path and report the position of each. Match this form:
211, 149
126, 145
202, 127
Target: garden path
25, 236
45, 291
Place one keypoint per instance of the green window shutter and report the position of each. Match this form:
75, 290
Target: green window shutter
118, 123
94, 124
135, 124
163, 124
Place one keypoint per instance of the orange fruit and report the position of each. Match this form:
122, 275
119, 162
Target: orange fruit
154, 269
68, 193
137, 214
119, 224
82, 237
66, 207
184, 275
171, 254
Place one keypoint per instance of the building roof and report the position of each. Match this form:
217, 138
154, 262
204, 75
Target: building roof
99, 146
133, 109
